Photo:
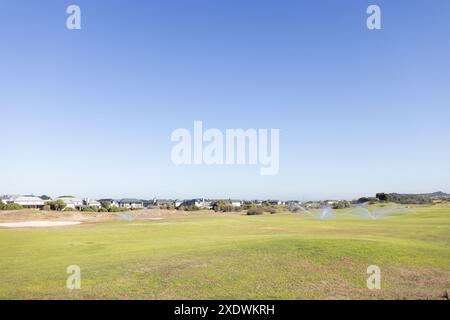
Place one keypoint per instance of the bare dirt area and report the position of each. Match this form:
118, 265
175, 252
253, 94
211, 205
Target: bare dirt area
40, 215
30, 215
37, 224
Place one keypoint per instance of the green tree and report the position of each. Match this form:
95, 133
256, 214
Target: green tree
224, 206
57, 205
106, 205
383, 196
363, 200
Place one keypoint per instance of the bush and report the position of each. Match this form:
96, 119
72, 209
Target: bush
403, 198
102, 210
88, 209
57, 205
117, 209
363, 200
224, 206
166, 206
219, 206
383, 196
12, 206
106, 205
255, 211
191, 208
69, 209
248, 206
342, 205
271, 210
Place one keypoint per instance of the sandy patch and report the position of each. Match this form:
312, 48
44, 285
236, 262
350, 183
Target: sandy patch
38, 224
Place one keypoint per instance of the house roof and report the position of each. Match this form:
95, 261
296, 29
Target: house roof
70, 200
9, 196
130, 201
27, 198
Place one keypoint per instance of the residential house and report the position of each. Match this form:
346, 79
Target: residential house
131, 204
293, 202
236, 203
72, 202
113, 202
91, 203
27, 201
4, 199
208, 204
177, 203
150, 204
165, 203
199, 203
276, 202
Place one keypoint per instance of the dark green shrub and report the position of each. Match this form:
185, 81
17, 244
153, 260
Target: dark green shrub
224, 206
88, 209
363, 200
166, 206
106, 205
117, 209
191, 208
56, 205
12, 206
248, 206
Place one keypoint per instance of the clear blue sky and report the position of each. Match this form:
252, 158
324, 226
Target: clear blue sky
90, 112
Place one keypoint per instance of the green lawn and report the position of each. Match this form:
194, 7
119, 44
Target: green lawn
280, 256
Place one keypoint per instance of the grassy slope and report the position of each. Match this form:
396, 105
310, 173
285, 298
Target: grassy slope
287, 256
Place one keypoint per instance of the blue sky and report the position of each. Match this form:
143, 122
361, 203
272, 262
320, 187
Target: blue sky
90, 112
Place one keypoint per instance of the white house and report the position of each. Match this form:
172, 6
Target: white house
4, 199
276, 202
72, 202
131, 204
236, 203
177, 203
25, 201
92, 203
114, 203
162, 202
199, 203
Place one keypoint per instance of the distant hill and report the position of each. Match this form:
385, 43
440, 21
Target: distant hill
436, 195
413, 198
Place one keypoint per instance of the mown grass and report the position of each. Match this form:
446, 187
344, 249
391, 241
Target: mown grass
280, 256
